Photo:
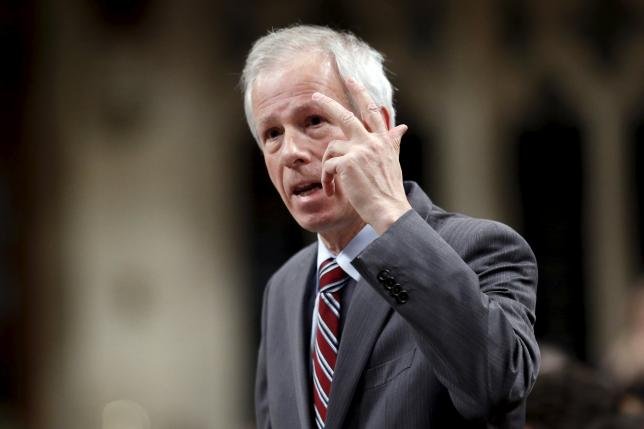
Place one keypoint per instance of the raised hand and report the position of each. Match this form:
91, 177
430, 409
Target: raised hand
365, 165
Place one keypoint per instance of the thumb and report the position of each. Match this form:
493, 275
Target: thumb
396, 135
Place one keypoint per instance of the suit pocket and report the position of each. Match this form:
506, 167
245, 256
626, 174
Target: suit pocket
383, 373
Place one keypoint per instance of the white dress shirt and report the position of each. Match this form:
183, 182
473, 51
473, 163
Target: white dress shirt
357, 244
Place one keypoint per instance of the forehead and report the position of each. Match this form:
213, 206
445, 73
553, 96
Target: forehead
280, 89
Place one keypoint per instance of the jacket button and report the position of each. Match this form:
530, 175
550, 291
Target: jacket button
384, 275
395, 291
390, 283
402, 297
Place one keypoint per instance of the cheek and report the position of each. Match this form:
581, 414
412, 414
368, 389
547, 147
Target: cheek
338, 134
333, 133
272, 167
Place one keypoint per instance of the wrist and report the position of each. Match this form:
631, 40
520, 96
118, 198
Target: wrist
388, 217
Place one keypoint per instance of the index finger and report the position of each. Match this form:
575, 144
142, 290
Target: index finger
339, 114
369, 110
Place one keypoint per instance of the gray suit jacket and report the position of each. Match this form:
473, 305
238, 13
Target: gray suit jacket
459, 352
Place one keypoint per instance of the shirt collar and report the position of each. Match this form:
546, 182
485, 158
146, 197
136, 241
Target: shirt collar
357, 244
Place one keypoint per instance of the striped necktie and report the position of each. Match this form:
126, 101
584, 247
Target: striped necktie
327, 339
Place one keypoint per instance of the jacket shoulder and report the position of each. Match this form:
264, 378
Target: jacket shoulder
462, 231
301, 261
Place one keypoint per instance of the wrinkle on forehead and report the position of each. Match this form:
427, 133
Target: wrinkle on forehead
298, 78
301, 88
294, 105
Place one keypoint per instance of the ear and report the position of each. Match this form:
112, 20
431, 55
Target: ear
385, 115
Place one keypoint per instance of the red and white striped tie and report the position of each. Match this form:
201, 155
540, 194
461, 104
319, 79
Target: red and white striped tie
327, 339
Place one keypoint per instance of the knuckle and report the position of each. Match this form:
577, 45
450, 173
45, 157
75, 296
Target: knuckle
376, 141
347, 117
362, 149
357, 161
382, 136
333, 147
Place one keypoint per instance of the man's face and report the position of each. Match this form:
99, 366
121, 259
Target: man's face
294, 134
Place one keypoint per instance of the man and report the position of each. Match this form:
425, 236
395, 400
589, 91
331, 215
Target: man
401, 315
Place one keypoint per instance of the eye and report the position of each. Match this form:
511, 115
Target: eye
314, 120
272, 133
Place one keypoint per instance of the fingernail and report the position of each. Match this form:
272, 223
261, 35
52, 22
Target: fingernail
316, 96
351, 81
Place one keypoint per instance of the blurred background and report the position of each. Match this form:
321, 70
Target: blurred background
138, 226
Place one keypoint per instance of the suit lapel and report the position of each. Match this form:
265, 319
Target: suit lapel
299, 333
365, 318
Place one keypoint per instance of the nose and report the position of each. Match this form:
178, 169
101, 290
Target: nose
294, 151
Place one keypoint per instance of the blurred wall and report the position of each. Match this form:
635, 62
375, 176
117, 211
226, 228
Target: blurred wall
146, 226
147, 266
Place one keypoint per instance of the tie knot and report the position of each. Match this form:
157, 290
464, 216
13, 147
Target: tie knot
332, 276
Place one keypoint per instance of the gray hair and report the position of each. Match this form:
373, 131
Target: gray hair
353, 57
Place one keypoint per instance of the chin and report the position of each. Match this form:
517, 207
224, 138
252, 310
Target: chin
312, 226
321, 224
316, 222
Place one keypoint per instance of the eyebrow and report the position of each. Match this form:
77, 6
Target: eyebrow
297, 110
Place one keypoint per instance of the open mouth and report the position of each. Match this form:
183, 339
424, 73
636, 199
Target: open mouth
306, 189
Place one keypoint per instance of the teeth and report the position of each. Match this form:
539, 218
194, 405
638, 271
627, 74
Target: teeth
308, 191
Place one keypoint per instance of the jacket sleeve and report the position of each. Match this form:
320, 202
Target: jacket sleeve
262, 414
469, 294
